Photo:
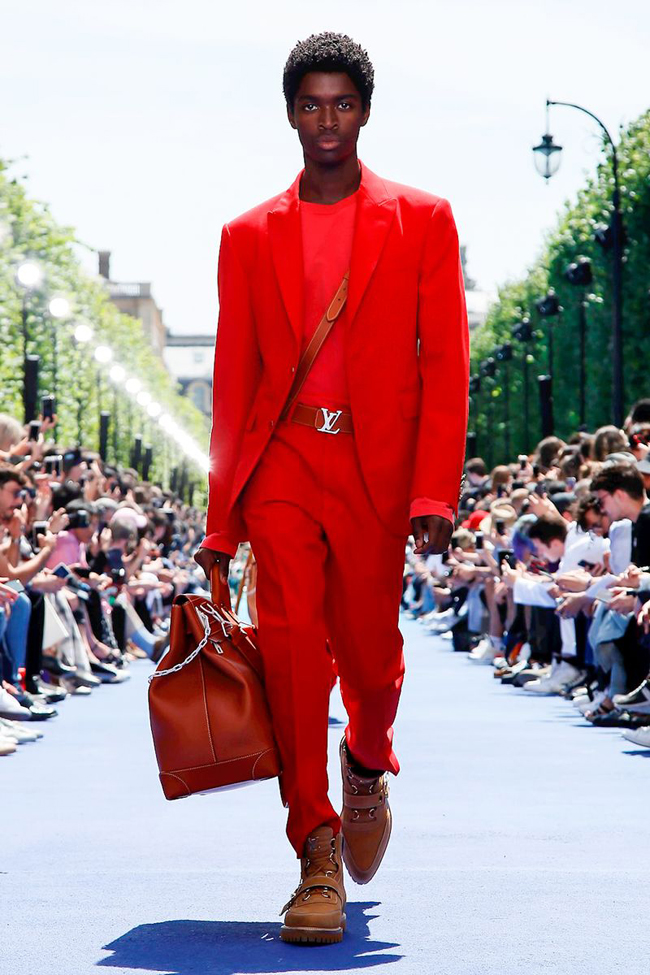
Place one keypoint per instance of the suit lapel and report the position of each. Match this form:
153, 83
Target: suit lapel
375, 213
286, 249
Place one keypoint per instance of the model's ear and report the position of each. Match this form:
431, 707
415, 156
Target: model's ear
291, 117
366, 115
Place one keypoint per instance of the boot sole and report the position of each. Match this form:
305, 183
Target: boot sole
313, 936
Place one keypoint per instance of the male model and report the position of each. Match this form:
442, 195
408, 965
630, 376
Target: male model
370, 450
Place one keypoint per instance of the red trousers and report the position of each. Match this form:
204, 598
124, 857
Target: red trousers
328, 571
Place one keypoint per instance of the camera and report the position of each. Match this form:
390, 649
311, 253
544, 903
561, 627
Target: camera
118, 577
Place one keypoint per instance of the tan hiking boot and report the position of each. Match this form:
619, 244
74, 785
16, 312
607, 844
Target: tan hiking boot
366, 820
316, 911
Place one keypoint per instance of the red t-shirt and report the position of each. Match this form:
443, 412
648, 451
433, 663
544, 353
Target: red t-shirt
327, 233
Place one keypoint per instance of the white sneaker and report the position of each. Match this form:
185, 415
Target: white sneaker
483, 652
13, 730
585, 703
561, 674
7, 746
443, 621
10, 708
638, 736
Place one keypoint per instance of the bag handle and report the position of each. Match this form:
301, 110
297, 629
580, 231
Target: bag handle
323, 329
219, 593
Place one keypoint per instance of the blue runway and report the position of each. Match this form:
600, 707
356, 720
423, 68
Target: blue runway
520, 845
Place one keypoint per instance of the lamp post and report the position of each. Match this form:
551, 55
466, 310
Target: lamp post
488, 369
523, 332
579, 275
474, 390
547, 160
503, 353
549, 308
59, 309
117, 375
28, 277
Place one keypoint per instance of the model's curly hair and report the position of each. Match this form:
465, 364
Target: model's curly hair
329, 52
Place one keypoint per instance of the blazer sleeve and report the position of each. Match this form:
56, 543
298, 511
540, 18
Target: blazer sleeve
236, 374
444, 370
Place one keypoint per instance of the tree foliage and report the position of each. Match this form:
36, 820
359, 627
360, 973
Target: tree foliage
28, 231
573, 237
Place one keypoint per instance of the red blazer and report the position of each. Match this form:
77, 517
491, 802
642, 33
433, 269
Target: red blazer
407, 352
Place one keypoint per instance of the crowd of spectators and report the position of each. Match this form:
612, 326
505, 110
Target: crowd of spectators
91, 558
547, 577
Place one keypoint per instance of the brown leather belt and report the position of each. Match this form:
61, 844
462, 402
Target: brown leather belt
325, 421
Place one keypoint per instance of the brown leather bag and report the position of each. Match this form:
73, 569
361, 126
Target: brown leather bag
209, 716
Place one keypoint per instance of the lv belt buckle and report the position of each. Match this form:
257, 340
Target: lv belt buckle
330, 418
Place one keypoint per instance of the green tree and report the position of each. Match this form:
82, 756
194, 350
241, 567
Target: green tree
573, 237
28, 231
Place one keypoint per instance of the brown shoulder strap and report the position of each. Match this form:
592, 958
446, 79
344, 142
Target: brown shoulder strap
316, 341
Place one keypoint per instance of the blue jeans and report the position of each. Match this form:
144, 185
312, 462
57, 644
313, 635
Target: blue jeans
13, 637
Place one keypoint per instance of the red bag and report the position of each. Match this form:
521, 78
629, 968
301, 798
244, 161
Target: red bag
209, 716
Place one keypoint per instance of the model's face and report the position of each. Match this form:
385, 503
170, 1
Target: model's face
328, 115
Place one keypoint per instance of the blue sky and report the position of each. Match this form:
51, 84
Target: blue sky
147, 124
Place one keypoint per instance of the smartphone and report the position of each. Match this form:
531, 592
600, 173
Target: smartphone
590, 566
53, 465
500, 526
507, 555
500, 491
61, 570
48, 407
570, 483
523, 460
445, 558
38, 528
479, 541
34, 430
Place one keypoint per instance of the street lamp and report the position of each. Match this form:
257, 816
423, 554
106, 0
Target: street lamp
504, 354
474, 390
579, 275
488, 369
523, 332
29, 276
549, 307
59, 309
543, 160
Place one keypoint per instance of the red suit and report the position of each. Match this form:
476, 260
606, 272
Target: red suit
328, 516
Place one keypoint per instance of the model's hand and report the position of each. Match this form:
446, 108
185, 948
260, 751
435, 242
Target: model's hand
432, 534
206, 558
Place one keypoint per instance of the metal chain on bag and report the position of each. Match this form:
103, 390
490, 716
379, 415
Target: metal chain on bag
207, 626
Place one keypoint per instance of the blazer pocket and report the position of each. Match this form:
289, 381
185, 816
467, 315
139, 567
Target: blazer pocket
410, 404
